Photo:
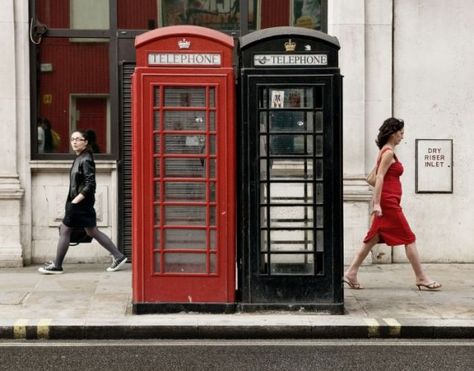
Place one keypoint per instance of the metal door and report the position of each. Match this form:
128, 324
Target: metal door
294, 174
187, 164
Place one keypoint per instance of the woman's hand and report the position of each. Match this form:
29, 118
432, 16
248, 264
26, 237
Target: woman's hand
377, 210
78, 199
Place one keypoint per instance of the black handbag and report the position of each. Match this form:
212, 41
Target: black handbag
79, 235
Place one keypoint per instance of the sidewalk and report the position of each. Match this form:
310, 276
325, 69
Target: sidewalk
89, 303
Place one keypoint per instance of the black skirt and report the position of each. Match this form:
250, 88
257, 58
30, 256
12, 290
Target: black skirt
81, 214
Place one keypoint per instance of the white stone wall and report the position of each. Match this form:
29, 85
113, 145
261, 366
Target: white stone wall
378, 87
411, 59
347, 21
32, 193
434, 94
11, 89
50, 184
414, 62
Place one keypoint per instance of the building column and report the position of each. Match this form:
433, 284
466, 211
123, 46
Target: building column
346, 21
11, 192
364, 30
378, 88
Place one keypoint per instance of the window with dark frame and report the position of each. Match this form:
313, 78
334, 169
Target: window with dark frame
291, 180
74, 70
71, 76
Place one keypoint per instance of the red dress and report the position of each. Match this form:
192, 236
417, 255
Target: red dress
392, 227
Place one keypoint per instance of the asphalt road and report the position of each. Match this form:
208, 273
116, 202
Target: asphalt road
252, 355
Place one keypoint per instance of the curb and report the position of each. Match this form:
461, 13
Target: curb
21, 330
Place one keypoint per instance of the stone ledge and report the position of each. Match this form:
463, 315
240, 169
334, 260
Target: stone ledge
356, 189
64, 165
11, 194
10, 188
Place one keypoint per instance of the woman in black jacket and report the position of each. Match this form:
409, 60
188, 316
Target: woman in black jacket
80, 207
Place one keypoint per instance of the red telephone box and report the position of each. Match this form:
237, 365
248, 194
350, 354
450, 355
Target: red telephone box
183, 171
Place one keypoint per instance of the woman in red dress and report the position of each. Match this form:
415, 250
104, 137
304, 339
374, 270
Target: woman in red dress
388, 222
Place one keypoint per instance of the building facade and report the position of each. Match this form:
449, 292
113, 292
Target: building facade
67, 65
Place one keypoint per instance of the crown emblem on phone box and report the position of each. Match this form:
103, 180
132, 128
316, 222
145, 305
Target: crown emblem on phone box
290, 46
184, 44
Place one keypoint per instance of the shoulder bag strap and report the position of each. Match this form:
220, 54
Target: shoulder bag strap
380, 158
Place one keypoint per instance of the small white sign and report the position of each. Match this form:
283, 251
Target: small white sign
434, 165
170, 59
194, 140
278, 97
264, 60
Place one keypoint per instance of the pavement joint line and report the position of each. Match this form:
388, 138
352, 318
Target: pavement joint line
19, 328
395, 327
373, 327
42, 329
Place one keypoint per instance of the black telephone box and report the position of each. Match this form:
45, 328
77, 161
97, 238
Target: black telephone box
290, 247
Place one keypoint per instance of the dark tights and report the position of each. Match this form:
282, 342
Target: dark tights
65, 237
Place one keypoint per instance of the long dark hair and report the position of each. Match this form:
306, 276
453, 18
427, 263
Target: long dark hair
92, 138
389, 126
48, 136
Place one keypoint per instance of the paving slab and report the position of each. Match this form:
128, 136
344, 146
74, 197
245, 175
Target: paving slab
86, 302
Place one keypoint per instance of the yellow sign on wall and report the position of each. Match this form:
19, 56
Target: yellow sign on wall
47, 98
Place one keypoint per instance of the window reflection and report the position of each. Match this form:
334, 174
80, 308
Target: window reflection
74, 14
307, 13
300, 13
137, 14
218, 14
185, 263
221, 15
72, 94
89, 14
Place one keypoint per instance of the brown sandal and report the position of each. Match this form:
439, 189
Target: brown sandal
353, 285
432, 286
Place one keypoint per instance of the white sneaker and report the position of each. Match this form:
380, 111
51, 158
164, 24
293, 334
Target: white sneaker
117, 264
50, 268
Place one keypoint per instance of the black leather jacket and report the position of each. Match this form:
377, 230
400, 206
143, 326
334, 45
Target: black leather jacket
82, 176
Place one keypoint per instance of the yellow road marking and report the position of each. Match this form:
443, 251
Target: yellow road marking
373, 327
19, 328
395, 327
43, 328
